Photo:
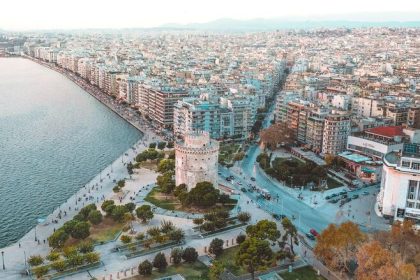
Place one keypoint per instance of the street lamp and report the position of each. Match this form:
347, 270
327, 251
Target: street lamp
36, 239
2, 256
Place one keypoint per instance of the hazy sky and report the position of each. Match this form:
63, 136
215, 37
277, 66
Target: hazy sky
57, 14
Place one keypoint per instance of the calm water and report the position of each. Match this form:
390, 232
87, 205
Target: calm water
54, 138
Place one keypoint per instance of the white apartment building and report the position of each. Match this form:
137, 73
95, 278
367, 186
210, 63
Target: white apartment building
336, 131
367, 107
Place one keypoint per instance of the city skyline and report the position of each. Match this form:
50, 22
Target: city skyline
47, 15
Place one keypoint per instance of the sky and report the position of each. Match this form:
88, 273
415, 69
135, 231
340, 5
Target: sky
79, 14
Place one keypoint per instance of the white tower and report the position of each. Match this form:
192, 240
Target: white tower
196, 160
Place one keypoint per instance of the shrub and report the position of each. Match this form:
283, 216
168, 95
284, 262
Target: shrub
125, 239
170, 145
161, 145
208, 226
85, 247
176, 235
35, 260
95, 217
84, 212
176, 255
53, 256
59, 265
160, 262
116, 189
166, 226
190, 255
40, 271
75, 260
152, 145
140, 236
69, 251
244, 217
145, 268
92, 257
198, 221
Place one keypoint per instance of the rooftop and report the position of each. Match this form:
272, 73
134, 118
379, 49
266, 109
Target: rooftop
386, 131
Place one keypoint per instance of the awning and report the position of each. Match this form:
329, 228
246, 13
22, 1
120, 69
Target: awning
367, 170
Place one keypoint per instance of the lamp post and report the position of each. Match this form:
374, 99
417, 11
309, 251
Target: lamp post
2, 256
36, 239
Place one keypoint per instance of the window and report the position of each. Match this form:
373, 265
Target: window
415, 166
406, 164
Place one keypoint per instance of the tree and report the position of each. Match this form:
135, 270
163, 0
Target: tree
204, 195
166, 165
240, 238
190, 255
81, 230
166, 226
118, 212
244, 217
264, 229
84, 212
216, 247
176, 255
106, 204
290, 233
337, 245
35, 260
161, 145
216, 269
277, 134
181, 188
145, 268
165, 182
58, 238
68, 226
130, 207
224, 198
376, 262
95, 217
254, 254
160, 262
144, 213
152, 145
125, 239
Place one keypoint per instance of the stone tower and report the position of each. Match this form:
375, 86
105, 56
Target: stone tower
196, 160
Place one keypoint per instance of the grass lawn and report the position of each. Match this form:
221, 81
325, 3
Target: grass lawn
105, 231
303, 273
195, 271
227, 152
157, 198
169, 202
228, 258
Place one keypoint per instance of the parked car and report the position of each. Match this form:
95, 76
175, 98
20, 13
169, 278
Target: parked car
327, 197
252, 179
342, 192
334, 200
310, 236
365, 193
348, 199
355, 196
243, 189
279, 217
314, 232
333, 195
344, 196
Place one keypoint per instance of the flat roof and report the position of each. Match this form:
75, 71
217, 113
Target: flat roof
354, 157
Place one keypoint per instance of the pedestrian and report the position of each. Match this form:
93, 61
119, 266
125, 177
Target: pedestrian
19, 245
44, 241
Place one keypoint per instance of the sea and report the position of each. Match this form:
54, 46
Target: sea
54, 138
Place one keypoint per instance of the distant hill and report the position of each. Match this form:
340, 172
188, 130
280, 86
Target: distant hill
228, 24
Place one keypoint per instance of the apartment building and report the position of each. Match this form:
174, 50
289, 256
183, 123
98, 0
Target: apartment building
336, 131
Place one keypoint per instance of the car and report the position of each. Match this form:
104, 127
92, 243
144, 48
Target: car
333, 195
228, 179
342, 192
252, 179
313, 232
243, 189
310, 236
327, 197
279, 217
239, 183
344, 196
334, 200
365, 193
355, 196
